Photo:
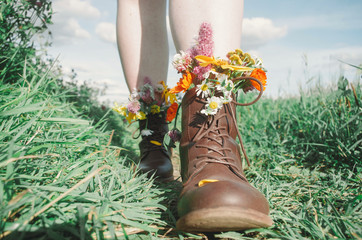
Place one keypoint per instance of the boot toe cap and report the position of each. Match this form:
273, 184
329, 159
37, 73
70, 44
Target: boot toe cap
233, 195
157, 164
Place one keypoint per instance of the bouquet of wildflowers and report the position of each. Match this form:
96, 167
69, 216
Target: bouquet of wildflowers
149, 100
216, 79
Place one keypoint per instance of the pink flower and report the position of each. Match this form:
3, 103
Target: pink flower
147, 80
175, 135
147, 96
134, 106
200, 71
147, 92
205, 44
181, 61
204, 47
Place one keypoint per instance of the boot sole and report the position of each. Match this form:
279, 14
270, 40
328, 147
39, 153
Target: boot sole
223, 219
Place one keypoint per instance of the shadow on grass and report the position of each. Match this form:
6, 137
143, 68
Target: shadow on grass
56, 232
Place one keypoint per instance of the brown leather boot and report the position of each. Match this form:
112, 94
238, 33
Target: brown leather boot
216, 195
155, 159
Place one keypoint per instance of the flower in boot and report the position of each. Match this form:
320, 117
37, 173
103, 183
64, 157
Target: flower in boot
134, 106
212, 106
181, 61
131, 116
154, 142
170, 98
229, 85
141, 115
203, 89
159, 88
175, 135
220, 63
210, 75
155, 109
228, 97
171, 112
200, 71
147, 94
134, 95
224, 78
120, 109
146, 132
258, 62
184, 83
260, 75
205, 41
225, 86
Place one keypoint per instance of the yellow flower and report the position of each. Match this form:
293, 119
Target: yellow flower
205, 61
204, 87
131, 116
206, 181
141, 115
241, 58
155, 109
170, 97
120, 109
236, 58
213, 105
164, 88
155, 142
239, 51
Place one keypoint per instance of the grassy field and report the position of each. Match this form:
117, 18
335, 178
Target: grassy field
68, 174
67, 162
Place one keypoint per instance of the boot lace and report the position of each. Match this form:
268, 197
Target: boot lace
211, 131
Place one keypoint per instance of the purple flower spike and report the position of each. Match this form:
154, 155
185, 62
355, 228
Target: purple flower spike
175, 135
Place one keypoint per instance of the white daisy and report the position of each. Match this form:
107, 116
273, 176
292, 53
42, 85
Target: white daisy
146, 132
220, 88
227, 97
203, 89
221, 77
212, 106
207, 74
258, 62
134, 95
159, 88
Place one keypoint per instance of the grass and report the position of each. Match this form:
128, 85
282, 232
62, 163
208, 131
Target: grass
62, 178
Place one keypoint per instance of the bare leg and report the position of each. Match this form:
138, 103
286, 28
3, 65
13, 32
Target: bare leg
225, 17
143, 48
142, 40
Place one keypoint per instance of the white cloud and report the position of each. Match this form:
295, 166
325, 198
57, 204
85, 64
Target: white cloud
68, 14
106, 31
259, 31
76, 8
68, 31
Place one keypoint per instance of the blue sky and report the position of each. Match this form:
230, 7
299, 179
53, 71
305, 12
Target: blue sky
299, 41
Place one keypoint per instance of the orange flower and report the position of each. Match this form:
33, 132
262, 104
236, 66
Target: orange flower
184, 83
171, 112
261, 76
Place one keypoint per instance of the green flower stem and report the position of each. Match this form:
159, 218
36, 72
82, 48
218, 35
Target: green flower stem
175, 124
